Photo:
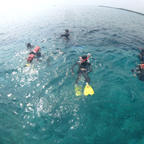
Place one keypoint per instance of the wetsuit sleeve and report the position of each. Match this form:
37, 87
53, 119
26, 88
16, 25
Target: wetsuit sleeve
90, 68
72, 69
62, 35
65, 35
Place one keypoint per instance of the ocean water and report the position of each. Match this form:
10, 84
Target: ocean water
38, 104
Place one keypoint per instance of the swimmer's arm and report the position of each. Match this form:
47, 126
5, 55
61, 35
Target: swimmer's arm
136, 71
90, 68
64, 35
72, 69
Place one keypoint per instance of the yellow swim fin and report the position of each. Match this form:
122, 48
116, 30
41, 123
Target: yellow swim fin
88, 90
78, 90
28, 64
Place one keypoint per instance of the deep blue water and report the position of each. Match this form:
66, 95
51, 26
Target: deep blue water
38, 104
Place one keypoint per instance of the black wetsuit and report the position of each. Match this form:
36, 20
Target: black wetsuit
29, 46
38, 54
84, 68
66, 35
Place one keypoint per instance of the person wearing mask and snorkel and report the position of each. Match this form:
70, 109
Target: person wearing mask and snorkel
84, 67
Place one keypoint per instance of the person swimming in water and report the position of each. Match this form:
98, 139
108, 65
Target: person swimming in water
84, 68
29, 46
66, 34
34, 53
139, 71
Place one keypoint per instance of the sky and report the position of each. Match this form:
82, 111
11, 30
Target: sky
14, 9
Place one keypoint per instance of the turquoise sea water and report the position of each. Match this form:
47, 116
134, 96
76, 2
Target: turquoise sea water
38, 104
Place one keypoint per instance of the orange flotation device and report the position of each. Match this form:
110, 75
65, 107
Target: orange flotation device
142, 66
33, 53
36, 49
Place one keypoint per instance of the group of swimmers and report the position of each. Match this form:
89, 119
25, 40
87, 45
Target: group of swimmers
84, 66
35, 53
83, 63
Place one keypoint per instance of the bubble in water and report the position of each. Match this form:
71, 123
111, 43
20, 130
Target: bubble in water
9, 95
21, 105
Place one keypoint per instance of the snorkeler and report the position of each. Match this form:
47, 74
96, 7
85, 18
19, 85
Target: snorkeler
139, 71
66, 34
84, 69
29, 46
34, 53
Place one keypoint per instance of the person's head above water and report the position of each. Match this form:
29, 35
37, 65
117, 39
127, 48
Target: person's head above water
28, 44
84, 58
66, 30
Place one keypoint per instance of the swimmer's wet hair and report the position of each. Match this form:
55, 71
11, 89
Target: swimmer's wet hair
84, 57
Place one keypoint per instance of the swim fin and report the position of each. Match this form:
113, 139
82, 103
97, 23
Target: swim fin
27, 65
78, 90
88, 90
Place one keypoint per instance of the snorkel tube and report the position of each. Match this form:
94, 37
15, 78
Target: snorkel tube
85, 59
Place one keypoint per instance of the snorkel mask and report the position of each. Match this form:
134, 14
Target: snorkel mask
85, 58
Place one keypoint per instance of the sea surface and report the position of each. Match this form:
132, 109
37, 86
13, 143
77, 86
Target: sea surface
38, 103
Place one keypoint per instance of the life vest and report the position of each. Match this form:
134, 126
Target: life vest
33, 53
36, 49
142, 66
